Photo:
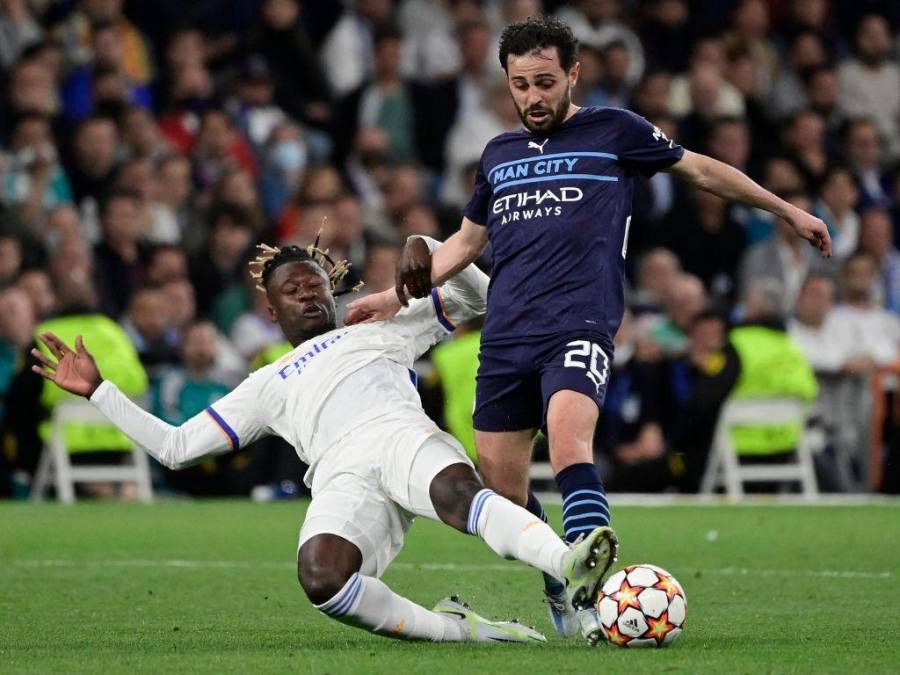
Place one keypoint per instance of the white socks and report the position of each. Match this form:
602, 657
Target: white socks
510, 530
366, 602
513, 532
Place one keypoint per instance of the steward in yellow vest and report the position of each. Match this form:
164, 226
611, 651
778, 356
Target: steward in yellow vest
772, 365
120, 363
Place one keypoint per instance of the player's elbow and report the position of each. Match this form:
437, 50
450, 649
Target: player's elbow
171, 462
173, 455
698, 170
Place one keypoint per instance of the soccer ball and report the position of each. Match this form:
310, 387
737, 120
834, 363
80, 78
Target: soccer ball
642, 606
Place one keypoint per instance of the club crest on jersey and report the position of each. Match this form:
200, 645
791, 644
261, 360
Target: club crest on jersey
535, 146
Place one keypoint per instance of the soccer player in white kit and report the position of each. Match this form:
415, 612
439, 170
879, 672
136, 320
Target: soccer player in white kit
346, 400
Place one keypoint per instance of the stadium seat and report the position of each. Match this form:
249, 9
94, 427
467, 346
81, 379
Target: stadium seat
55, 465
724, 468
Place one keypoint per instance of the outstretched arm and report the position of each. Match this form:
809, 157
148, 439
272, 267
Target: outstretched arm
468, 283
460, 250
419, 271
728, 183
175, 447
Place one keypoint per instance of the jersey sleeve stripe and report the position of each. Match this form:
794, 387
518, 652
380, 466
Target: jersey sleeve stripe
226, 429
439, 310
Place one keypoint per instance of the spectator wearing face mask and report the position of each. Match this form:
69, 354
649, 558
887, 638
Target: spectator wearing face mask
285, 158
33, 178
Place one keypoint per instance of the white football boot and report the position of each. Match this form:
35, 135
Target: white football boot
480, 629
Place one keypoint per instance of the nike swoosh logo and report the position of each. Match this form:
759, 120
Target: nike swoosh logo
496, 639
450, 611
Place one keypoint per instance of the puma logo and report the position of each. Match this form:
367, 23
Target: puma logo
536, 146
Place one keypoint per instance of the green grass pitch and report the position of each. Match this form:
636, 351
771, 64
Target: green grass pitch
210, 587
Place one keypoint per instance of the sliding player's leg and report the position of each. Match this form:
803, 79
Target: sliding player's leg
329, 571
351, 533
443, 484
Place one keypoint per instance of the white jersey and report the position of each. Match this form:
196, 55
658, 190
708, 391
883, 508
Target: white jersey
325, 389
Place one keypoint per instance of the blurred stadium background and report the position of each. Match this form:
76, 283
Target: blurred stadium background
147, 146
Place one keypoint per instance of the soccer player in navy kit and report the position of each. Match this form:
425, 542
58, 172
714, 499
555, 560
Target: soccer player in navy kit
554, 200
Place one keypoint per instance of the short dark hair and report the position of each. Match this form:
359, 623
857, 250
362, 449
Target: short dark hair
536, 33
835, 168
237, 215
116, 194
725, 120
388, 31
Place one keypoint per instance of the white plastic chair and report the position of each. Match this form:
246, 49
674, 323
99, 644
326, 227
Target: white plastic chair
55, 465
723, 469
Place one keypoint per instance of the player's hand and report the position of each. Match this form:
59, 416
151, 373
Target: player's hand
813, 229
376, 307
74, 371
414, 271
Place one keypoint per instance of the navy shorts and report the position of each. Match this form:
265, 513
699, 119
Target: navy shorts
515, 381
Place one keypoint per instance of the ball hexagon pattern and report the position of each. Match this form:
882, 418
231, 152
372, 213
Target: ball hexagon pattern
642, 606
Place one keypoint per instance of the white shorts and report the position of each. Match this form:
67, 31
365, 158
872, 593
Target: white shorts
373, 503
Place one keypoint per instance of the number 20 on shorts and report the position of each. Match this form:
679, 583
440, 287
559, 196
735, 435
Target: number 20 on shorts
588, 356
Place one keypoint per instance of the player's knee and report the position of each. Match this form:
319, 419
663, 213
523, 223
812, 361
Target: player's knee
320, 583
452, 492
324, 566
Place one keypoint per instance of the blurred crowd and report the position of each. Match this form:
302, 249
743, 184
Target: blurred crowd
146, 147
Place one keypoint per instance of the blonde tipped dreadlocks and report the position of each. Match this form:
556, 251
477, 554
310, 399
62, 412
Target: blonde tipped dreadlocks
272, 257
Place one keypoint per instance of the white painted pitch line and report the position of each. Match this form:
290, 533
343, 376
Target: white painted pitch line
434, 567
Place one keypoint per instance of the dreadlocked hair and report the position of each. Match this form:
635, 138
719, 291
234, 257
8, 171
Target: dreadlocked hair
271, 258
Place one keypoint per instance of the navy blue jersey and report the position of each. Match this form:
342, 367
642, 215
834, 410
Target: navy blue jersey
557, 210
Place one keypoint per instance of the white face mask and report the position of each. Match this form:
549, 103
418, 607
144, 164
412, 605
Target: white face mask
29, 154
289, 156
